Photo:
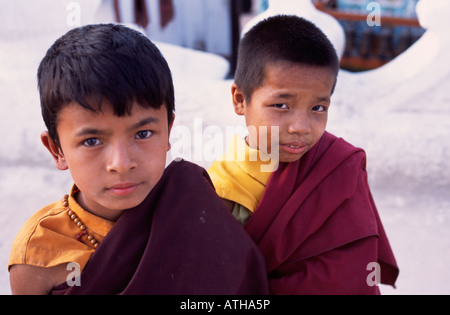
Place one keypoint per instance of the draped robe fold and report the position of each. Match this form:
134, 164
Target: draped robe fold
180, 240
318, 227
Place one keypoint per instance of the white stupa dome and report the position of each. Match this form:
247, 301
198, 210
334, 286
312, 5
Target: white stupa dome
433, 15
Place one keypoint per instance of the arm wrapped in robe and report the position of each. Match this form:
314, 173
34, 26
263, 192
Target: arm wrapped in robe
180, 240
318, 227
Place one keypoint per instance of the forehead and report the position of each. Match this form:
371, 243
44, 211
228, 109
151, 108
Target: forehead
288, 75
74, 115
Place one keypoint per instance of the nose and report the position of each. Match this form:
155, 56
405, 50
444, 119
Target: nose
299, 123
121, 159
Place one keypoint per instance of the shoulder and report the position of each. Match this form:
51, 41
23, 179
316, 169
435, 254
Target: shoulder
339, 150
330, 140
52, 209
179, 168
26, 276
197, 209
49, 239
192, 186
30, 229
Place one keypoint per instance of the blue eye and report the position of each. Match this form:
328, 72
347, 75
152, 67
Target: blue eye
145, 134
91, 142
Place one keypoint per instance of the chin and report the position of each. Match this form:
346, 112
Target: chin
125, 203
290, 159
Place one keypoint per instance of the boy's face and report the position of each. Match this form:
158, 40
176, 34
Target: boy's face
294, 97
114, 161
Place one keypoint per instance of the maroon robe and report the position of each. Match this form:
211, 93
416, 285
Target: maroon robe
318, 227
180, 240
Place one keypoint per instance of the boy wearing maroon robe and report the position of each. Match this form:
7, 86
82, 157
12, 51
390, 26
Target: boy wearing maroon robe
313, 218
129, 225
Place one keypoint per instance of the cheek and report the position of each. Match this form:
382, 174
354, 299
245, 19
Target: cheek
153, 157
152, 174
84, 167
320, 124
85, 174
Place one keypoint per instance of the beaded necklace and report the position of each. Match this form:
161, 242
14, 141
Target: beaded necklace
79, 223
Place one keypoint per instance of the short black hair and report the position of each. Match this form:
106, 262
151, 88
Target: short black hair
103, 61
281, 38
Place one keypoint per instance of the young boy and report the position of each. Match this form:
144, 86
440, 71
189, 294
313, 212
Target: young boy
313, 217
129, 225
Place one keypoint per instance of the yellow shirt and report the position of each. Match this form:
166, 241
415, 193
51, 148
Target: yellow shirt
49, 237
238, 176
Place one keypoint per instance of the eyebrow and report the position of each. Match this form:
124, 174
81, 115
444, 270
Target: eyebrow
145, 121
323, 99
95, 131
287, 96
283, 96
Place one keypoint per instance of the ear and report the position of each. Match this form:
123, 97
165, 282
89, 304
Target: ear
169, 146
55, 151
238, 99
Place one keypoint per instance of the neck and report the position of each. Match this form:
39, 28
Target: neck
292, 5
110, 215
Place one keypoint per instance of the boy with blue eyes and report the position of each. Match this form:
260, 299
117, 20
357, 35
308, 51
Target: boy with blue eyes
129, 225
313, 216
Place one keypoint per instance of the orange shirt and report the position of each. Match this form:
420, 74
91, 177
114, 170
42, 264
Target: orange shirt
51, 238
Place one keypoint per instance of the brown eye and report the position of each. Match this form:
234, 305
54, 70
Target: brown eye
145, 134
281, 106
319, 108
92, 142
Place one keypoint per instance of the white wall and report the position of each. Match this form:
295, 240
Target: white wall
197, 24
